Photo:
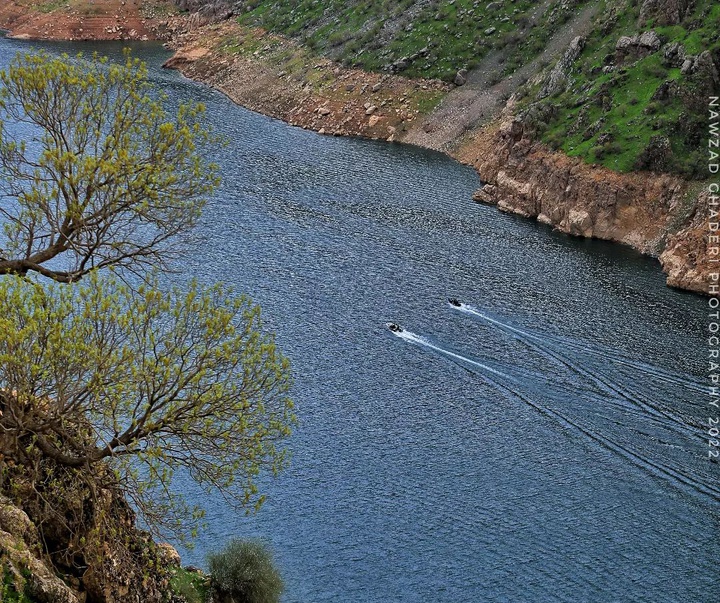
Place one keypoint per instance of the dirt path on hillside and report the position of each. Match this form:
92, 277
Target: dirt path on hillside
480, 100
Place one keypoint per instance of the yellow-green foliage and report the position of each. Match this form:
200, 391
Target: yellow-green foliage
157, 381
100, 173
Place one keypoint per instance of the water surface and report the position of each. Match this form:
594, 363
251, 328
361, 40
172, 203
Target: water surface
542, 442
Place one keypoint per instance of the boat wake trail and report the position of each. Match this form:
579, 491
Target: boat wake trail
616, 358
615, 390
507, 384
423, 341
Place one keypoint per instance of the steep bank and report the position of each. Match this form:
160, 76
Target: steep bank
658, 214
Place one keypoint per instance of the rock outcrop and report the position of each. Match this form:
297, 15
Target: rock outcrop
664, 12
558, 77
686, 257
638, 209
632, 48
207, 12
22, 562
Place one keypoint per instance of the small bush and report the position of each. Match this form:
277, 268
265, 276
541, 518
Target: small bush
657, 71
244, 572
189, 586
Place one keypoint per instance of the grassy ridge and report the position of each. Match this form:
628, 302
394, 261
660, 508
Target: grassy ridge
637, 114
430, 39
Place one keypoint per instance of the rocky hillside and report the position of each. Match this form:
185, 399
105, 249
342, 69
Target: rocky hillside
633, 94
86, 19
417, 38
588, 115
629, 94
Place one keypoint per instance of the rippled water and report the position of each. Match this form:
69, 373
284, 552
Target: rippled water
540, 443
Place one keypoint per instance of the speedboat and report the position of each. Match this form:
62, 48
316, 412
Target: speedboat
395, 328
453, 301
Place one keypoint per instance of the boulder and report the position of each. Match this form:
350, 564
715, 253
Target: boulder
486, 194
664, 12
629, 48
706, 68
461, 77
625, 43
650, 40
664, 92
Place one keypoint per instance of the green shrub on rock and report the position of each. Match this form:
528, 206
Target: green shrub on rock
244, 572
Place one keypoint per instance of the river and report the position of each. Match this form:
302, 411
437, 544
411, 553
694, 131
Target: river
543, 442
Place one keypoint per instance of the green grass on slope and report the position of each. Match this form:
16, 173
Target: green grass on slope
189, 585
610, 118
614, 116
421, 39
8, 590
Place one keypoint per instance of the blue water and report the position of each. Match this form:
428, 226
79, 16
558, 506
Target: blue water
541, 443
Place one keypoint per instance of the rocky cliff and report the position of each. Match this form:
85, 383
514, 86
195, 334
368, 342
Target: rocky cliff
64, 539
603, 134
657, 214
25, 569
687, 254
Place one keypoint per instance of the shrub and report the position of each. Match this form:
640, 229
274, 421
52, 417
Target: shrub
189, 586
244, 572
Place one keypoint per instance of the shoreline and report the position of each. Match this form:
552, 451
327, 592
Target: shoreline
652, 213
642, 210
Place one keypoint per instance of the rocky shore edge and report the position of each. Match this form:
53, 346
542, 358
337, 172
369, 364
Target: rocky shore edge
659, 215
